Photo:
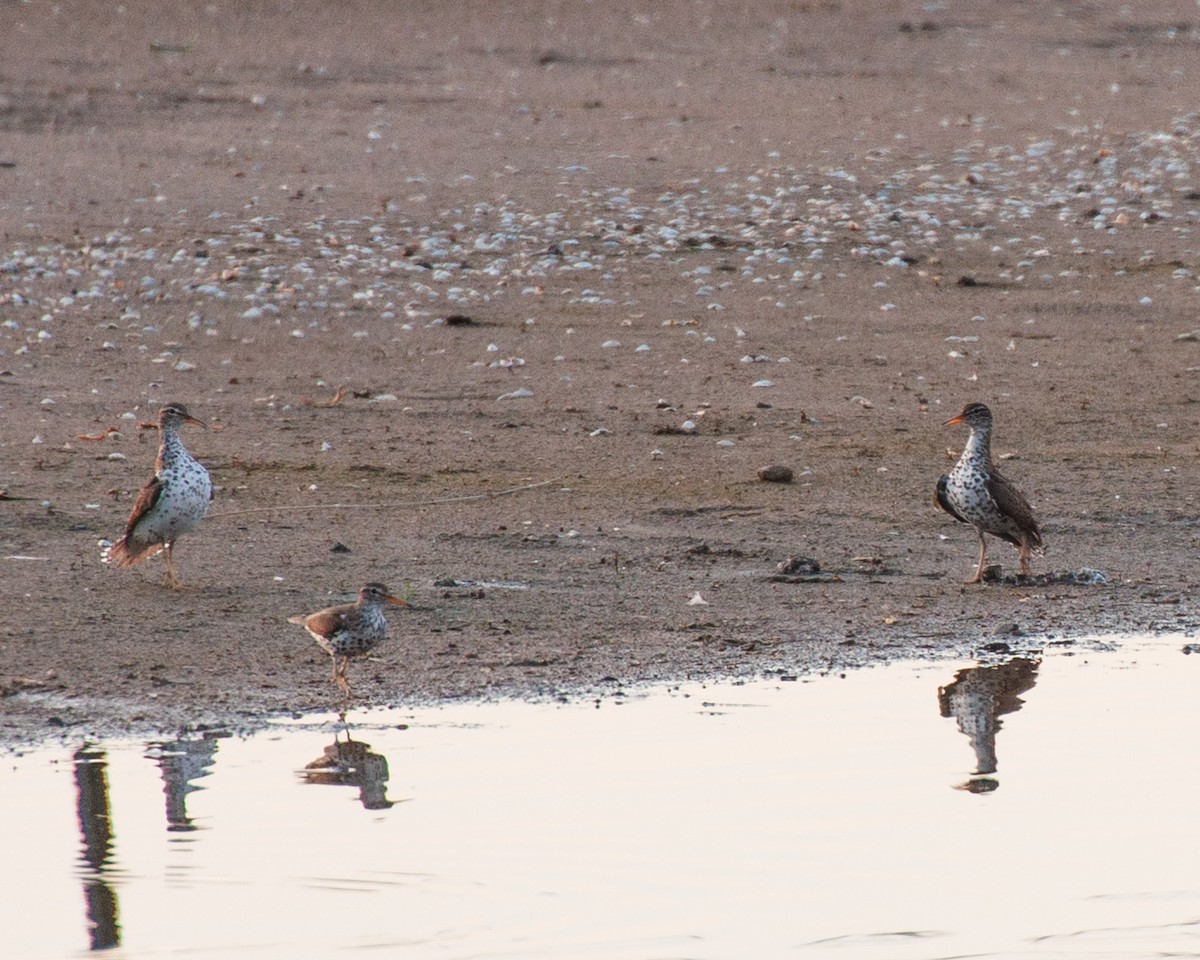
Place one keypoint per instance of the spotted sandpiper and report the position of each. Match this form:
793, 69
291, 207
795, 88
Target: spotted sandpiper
173, 502
350, 630
975, 492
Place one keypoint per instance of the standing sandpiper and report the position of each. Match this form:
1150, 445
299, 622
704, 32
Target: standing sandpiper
974, 492
351, 629
170, 504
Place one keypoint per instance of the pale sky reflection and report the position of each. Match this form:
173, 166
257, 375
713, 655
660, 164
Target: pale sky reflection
766, 820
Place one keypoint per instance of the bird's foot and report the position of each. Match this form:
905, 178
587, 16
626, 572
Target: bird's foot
989, 573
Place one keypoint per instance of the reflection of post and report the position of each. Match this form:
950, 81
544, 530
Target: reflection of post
181, 762
977, 699
95, 825
352, 764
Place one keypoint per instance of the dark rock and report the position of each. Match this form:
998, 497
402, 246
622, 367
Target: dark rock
775, 474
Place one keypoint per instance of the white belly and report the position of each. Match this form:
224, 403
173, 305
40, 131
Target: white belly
181, 506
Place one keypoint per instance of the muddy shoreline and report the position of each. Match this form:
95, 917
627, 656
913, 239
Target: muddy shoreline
579, 277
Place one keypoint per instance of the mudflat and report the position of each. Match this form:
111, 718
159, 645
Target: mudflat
507, 305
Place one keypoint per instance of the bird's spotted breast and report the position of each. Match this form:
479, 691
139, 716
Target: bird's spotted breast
187, 490
360, 630
967, 491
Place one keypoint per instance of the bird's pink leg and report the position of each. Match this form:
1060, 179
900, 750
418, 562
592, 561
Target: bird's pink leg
172, 580
978, 578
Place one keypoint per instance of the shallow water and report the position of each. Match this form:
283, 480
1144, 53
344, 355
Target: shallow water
1041, 807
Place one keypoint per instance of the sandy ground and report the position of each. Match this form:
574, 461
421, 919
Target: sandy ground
532, 241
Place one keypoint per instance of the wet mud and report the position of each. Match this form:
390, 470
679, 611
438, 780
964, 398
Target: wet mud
533, 315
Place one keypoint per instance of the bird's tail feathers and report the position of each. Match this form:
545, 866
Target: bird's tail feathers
124, 554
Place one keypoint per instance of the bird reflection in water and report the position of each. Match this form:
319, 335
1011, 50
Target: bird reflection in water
95, 826
182, 762
977, 698
352, 763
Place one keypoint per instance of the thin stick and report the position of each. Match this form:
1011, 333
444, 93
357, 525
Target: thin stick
395, 504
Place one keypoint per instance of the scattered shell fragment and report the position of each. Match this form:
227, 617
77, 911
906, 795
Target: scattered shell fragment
797, 566
96, 437
333, 401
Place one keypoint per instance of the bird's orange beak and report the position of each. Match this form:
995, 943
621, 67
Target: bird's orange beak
396, 601
953, 420
190, 419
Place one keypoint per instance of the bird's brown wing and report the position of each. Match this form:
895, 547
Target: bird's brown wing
146, 499
127, 551
324, 623
1015, 507
941, 497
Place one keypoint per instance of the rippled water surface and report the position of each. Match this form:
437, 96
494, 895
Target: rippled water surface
1036, 806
